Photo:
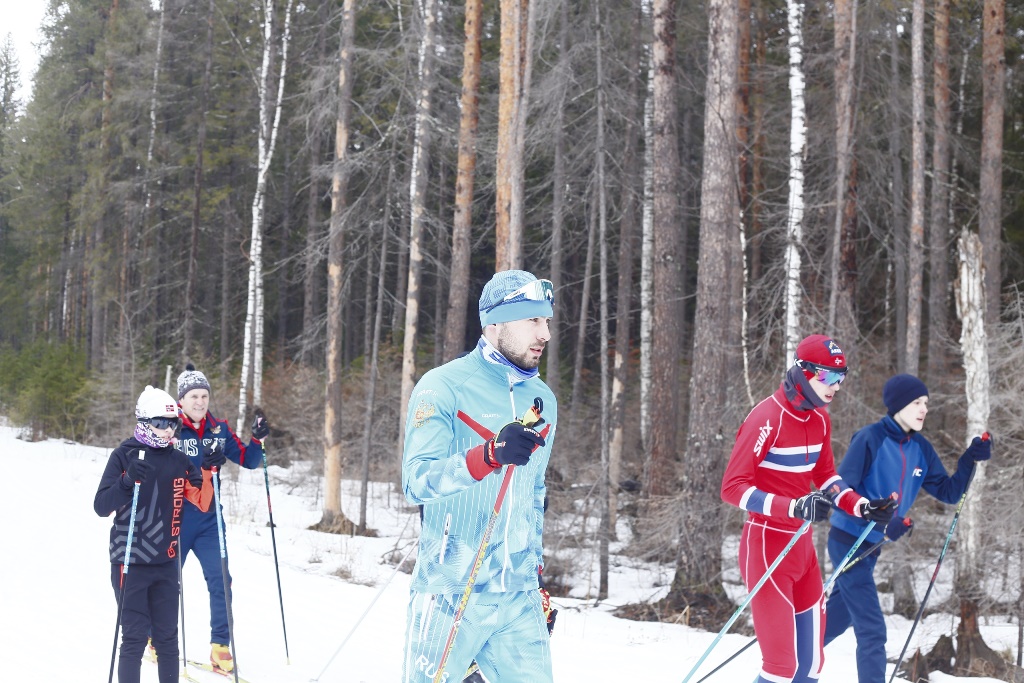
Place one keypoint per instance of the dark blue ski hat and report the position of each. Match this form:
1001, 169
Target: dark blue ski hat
900, 391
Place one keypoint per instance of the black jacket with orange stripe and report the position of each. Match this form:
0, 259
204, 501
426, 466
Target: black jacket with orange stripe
173, 480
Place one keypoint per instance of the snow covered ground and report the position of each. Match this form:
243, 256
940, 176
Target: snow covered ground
57, 610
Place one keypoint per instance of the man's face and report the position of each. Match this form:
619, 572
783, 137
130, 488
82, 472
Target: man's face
911, 418
826, 392
523, 341
195, 403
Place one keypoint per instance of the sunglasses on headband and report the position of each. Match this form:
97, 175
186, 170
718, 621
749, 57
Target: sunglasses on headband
161, 422
537, 290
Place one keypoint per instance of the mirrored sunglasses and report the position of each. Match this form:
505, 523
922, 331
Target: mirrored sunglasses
537, 290
826, 376
161, 422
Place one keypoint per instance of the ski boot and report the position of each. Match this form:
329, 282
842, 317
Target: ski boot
220, 658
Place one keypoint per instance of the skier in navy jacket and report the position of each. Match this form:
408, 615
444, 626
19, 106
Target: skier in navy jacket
166, 479
201, 434
886, 457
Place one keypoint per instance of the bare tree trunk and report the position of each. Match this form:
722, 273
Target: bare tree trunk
333, 519
895, 157
197, 193
915, 243
575, 396
253, 345
840, 312
647, 244
469, 119
513, 101
939, 231
668, 259
311, 254
797, 146
990, 201
417, 209
698, 563
554, 362
972, 310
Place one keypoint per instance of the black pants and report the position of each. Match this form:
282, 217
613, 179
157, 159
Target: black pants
150, 606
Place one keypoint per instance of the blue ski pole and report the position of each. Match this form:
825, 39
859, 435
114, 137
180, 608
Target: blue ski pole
750, 596
853, 549
124, 573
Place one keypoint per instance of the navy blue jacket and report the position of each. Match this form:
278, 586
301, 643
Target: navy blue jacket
196, 440
883, 459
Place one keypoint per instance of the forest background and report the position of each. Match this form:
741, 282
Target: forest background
304, 200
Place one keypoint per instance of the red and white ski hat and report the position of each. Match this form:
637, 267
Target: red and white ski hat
155, 403
821, 351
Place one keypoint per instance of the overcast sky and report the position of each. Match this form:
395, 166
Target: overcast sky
21, 19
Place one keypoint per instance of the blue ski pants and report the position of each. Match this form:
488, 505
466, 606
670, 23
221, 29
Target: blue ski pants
854, 601
150, 605
201, 539
506, 633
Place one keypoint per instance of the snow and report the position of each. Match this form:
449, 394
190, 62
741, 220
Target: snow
58, 609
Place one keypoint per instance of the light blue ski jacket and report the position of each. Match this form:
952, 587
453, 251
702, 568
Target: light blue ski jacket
453, 408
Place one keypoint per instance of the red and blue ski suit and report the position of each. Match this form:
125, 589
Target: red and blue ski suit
198, 528
781, 452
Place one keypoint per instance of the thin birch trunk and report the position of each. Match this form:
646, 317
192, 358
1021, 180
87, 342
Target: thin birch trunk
253, 344
797, 146
462, 225
417, 209
647, 249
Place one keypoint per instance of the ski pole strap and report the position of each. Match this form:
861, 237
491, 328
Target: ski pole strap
853, 549
750, 596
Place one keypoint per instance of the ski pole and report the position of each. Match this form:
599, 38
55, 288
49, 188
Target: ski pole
181, 600
750, 596
273, 542
366, 611
866, 553
938, 564
224, 568
531, 418
124, 572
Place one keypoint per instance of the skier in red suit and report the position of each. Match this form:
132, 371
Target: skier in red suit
782, 473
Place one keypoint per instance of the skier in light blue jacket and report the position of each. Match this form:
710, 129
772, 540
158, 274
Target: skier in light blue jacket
464, 429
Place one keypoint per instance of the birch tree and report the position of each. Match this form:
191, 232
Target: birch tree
797, 146
269, 123
333, 519
469, 119
647, 247
417, 206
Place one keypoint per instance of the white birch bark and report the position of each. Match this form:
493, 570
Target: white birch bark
915, 237
647, 249
252, 348
970, 308
417, 204
797, 145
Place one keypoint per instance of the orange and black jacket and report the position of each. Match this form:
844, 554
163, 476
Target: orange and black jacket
172, 481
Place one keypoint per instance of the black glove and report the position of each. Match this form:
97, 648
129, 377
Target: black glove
879, 510
513, 445
814, 507
980, 449
898, 527
214, 456
138, 470
260, 426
